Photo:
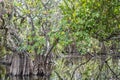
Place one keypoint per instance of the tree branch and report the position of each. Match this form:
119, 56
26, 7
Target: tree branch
51, 48
78, 67
112, 70
60, 78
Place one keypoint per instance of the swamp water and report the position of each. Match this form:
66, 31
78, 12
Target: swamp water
95, 68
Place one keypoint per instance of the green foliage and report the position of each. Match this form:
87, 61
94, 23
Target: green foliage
33, 19
85, 19
81, 22
84, 22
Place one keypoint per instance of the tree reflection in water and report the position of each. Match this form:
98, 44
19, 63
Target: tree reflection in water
23, 78
82, 68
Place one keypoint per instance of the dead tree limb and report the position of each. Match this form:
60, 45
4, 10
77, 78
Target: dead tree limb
116, 75
78, 67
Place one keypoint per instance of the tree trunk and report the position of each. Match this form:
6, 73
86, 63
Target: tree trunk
21, 64
42, 67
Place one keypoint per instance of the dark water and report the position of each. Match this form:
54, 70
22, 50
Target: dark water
3, 76
23, 78
94, 69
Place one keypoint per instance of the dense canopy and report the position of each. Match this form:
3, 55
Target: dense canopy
33, 33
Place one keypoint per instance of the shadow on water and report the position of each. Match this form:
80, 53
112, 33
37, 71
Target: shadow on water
3, 76
23, 78
95, 68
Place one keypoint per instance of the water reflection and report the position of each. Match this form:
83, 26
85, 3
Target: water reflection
23, 78
8, 77
78, 69
96, 68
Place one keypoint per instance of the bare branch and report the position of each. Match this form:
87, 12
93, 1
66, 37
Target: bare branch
78, 67
116, 75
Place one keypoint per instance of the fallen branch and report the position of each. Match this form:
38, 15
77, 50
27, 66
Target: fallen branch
60, 78
112, 70
78, 67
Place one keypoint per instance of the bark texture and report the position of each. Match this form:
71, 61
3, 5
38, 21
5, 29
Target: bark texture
21, 65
